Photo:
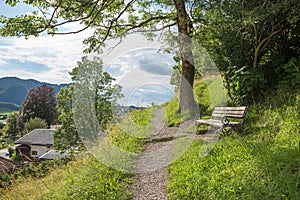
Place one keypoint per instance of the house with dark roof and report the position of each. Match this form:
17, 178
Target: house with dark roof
8, 166
35, 143
52, 154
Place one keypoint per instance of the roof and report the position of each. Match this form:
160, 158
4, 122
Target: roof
43, 137
52, 154
8, 166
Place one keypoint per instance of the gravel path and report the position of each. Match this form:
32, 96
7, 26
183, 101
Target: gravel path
150, 177
150, 180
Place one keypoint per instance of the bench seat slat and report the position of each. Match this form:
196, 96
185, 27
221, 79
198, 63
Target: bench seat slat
212, 122
242, 108
235, 112
228, 115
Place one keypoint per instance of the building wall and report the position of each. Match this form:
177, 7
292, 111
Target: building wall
40, 150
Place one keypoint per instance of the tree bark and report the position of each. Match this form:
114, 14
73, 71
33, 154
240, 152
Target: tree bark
186, 95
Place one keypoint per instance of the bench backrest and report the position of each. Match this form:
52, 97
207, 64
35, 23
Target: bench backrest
234, 112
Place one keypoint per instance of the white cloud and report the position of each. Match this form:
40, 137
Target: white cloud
58, 53
132, 43
61, 53
2, 62
138, 77
141, 70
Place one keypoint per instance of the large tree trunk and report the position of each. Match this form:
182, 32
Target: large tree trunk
186, 96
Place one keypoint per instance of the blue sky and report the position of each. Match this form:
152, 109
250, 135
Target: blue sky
49, 59
26, 65
11, 11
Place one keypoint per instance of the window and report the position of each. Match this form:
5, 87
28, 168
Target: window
34, 153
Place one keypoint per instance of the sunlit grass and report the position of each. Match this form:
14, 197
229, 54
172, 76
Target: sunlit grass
264, 164
208, 93
85, 177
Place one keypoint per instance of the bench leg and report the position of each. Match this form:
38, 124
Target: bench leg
224, 130
197, 127
243, 130
239, 129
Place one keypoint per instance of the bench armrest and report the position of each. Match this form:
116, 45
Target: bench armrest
225, 120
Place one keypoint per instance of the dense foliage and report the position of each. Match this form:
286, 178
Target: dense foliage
254, 43
3, 118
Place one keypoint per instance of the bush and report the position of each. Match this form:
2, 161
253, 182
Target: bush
35, 123
290, 75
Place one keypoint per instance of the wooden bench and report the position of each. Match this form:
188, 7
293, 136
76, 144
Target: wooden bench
223, 117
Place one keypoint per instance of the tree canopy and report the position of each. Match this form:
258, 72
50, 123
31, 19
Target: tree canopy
35, 123
253, 43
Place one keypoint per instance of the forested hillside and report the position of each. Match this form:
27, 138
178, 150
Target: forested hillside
13, 90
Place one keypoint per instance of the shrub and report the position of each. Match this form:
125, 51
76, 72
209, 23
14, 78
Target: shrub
35, 123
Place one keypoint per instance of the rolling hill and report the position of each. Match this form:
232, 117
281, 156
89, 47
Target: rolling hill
13, 90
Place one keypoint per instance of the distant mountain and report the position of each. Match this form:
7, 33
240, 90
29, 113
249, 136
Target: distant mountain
13, 90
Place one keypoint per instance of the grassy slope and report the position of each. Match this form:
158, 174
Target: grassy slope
263, 164
85, 177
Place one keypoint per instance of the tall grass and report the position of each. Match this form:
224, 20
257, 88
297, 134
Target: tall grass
85, 177
264, 164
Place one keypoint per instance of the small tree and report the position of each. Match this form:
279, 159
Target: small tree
34, 123
10, 129
39, 102
89, 100
66, 137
